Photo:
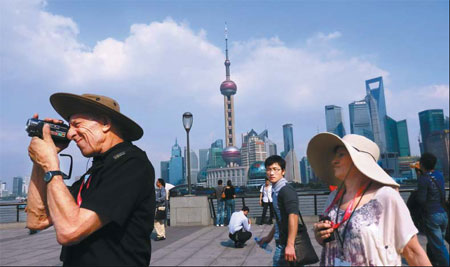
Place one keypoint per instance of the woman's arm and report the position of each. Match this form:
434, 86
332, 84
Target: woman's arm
414, 253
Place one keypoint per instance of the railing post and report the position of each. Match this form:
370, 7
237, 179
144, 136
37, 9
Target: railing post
212, 208
17, 209
243, 201
315, 204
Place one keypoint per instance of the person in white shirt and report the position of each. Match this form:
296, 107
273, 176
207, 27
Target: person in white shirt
265, 200
239, 227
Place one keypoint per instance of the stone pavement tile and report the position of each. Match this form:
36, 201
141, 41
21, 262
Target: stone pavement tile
181, 253
258, 261
197, 262
166, 262
227, 261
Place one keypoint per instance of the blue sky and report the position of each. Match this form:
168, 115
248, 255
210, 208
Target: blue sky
162, 58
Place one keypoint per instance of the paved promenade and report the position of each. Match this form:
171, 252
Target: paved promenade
184, 246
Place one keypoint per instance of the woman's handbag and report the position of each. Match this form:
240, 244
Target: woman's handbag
160, 213
304, 250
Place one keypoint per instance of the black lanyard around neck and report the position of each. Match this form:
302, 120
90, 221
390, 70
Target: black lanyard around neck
342, 239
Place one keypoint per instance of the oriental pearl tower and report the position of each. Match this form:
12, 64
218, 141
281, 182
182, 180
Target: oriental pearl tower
231, 153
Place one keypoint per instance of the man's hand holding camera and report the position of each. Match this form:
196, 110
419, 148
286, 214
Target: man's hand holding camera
44, 152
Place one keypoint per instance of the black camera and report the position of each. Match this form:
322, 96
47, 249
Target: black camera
323, 218
57, 131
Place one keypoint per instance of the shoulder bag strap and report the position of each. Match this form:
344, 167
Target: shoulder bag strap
440, 192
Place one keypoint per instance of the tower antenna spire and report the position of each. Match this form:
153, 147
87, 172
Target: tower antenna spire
227, 61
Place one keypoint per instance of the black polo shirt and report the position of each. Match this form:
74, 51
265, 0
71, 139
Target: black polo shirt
287, 204
122, 190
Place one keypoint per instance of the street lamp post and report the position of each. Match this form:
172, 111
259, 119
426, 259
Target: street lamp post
187, 123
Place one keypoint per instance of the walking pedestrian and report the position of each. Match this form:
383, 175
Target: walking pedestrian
219, 190
160, 213
230, 195
367, 219
285, 203
431, 197
265, 200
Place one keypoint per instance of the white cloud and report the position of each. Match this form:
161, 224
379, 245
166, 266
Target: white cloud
322, 37
165, 68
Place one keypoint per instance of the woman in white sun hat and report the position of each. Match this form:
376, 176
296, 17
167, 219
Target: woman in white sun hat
368, 222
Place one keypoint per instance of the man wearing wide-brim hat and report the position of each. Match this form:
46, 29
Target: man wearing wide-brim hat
106, 217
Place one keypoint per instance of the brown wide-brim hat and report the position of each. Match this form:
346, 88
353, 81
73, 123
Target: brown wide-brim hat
363, 151
69, 104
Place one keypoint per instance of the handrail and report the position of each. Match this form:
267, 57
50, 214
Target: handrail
19, 206
242, 197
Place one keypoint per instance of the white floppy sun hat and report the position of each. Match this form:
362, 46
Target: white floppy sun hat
364, 153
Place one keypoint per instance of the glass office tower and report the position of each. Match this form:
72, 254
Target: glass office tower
377, 108
403, 139
333, 116
288, 138
431, 120
360, 122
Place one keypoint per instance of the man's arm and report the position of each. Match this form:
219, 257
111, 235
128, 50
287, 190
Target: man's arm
289, 253
268, 237
37, 211
72, 223
246, 223
414, 253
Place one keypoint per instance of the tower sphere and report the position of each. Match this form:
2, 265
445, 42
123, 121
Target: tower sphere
231, 154
228, 88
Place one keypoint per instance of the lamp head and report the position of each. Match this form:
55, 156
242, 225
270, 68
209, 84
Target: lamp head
187, 120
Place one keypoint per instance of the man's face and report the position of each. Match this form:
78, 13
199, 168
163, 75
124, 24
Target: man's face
274, 173
88, 133
245, 212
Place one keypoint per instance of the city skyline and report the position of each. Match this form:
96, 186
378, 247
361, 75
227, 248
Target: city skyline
159, 60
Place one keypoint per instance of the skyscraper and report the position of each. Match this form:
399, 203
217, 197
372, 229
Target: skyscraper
194, 165
292, 173
431, 120
203, 157
360, 122
377, 109
176, 166
215, 159
307, 174
288, 138
253, 148
17, 186
165, 170
403, 139
228, 88
271, 147
333, 116
438, 144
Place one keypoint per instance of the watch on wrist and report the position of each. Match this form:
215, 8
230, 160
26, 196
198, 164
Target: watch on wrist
49, 175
